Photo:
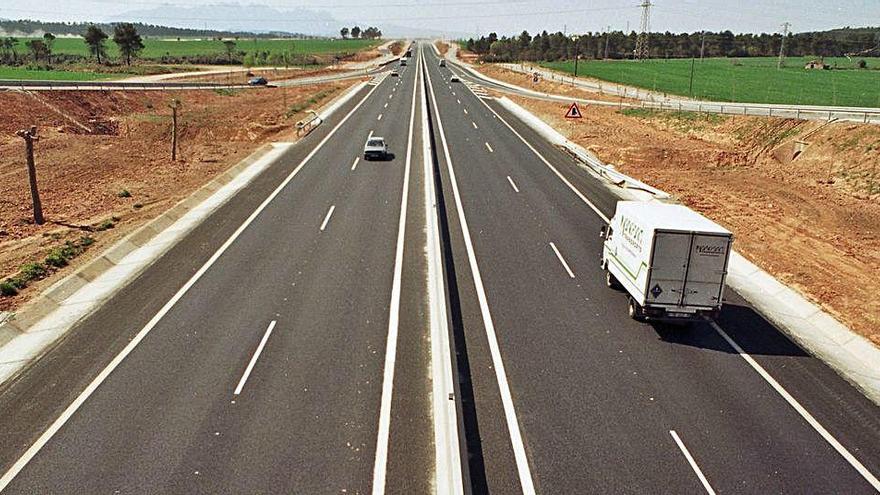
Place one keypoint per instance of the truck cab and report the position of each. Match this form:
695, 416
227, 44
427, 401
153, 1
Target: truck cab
671, 261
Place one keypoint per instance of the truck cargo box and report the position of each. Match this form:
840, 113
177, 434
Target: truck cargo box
670, 259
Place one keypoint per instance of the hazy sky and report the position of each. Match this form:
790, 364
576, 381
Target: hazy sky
469, 17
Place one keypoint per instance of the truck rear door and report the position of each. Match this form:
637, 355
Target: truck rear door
706, 270
668, 268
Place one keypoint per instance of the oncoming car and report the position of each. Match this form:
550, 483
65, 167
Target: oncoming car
454, 79
394, 73
376, 148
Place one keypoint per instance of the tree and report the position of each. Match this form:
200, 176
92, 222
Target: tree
95, 39
8, 47
230, 49
344, 32
38, 49
356, 32
49, 41
125, 36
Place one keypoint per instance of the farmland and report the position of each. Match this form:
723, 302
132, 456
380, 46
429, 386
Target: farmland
753, 80
158, 48
50, 75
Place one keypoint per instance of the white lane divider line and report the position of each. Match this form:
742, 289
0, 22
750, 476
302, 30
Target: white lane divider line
327, 218
380, 462
459, 101
250, 366
489, 148
561, 259
355, 164
90, 389
370, 134
858, 466
465, 111
386, 105
692, 462
512, 184
474, 124
390, 96
527, 484
380, 117
453, 93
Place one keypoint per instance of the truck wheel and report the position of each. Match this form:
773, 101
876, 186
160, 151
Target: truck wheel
611, 281
635, 310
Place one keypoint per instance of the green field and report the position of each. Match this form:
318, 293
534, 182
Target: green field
157, 48
51, 75
752, 80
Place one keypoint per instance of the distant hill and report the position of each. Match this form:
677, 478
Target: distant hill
27, 27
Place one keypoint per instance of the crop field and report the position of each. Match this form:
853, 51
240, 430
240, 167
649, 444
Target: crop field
155, 48
752, 80
51, 75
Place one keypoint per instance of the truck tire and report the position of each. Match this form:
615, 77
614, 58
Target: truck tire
611, 281
635, 310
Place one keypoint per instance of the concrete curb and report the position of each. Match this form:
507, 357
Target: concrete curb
852, 356
25, 335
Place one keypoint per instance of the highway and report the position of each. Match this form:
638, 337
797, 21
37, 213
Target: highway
299, 340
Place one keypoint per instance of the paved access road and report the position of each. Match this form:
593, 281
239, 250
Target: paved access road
296, 341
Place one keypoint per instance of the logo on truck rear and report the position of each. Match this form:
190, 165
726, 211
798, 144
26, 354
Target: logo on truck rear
710, 250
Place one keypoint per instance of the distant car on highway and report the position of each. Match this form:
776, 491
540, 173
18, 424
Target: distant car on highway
442, 62
375, 148
258, 81
403, 62
454, 79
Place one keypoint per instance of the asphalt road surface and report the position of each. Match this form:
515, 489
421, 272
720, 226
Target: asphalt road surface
298, 340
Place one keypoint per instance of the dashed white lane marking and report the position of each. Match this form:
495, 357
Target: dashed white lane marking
512, 184
692, 462
355, 164
465, 111
327, 218
562, 260
386, 105
489, 148
475, 125
250, 366
862, 470
390, 96
380, 117
459, 101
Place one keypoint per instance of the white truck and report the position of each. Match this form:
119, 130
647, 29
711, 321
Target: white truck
671, 260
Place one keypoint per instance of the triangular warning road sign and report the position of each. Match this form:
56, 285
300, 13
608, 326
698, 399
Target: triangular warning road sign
574, 112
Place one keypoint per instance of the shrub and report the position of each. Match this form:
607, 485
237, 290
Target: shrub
32, 271
7, 288
105, 225
862, 64
86, 241
123, 194
56, 258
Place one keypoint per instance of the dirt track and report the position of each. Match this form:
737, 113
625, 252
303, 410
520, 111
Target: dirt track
123, 173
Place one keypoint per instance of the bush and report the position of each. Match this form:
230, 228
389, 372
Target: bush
56, 258
7, 288
32, 271
86, 241
862, 64
123, 194
105, 225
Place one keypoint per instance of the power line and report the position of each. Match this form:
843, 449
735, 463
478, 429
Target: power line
785, 26
644, 31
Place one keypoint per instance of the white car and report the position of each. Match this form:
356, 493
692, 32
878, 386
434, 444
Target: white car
442, 63
375, 148
454, 79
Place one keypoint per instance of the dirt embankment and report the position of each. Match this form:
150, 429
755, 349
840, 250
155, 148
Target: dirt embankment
103, 185
813, 220
443, 47
396, 48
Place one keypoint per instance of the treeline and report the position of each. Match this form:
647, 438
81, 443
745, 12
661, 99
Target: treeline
125, 36
620, 45
27, 26
371, 33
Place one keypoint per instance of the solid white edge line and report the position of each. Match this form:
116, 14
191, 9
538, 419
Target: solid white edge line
355, 164
867, 475
65, 415
447, 449
512, 184
692, 462
380, 463
858, 466
516, 440
253, 361
489, 148
562, 260
327, 218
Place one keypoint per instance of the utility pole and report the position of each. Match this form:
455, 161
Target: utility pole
641, 52
702, 44
607, 36
785, 26
29, 137
575, 38
175, 104
691, 86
